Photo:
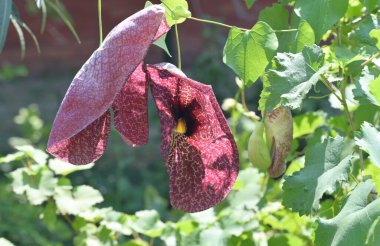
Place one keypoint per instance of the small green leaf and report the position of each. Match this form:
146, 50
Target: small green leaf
370, 142
162, 44
362, 91
176, 11
63, 168
375, 34
247, 195
321, 14
291, 78
324, 168
77, 201
148, 223
39, 156
304, 36
352, 225
306, 123
249, 52
249, 3
281, 22
5, 15
374, 89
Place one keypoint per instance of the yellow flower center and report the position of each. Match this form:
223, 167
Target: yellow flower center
181, 126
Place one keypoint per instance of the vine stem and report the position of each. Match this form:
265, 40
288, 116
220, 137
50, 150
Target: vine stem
178, 47
371, 59
100, 22
229, 26
243, 101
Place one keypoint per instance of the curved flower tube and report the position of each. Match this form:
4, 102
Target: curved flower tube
201, 158
82, 125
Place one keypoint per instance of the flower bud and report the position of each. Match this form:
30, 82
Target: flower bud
279, 135
258, 152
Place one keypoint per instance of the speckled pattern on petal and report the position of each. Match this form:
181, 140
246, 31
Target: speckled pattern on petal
131, 109
91, 142
98, 82
203, 163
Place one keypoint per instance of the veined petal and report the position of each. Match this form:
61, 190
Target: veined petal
131, 110
98, 82
202, 163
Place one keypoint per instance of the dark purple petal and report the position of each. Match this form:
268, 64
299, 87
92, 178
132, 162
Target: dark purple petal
203, 163
91, 142
131, 111
98, 82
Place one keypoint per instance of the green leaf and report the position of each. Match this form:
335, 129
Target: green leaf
324, 168
306, 123
249, 3
249, 52
176, 11
50, 214
12, 157
212, 236
370, 4
304, 36
162, 44
291, 78
281, 22
63, 168
370, 142
374, 89
362, 92
5, 15
375, 34
38, 188
148, 223
77, 201
352, 225
246, 192
321, 14
39, 156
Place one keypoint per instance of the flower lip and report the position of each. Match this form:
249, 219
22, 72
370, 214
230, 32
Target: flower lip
203, 162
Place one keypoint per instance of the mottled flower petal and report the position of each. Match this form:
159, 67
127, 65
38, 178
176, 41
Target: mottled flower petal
202, 163
91, 142
98, 82
131, 110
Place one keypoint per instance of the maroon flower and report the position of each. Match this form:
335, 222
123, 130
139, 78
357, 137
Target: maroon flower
82, 125
202, 158
197, 145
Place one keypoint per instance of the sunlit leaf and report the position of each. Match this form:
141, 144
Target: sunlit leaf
63, 168
291, 78
148, 223
176, 11
248, 53
321, 14
370, 142
306, 123
362, 91
324, 168
352, 225
77, 201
